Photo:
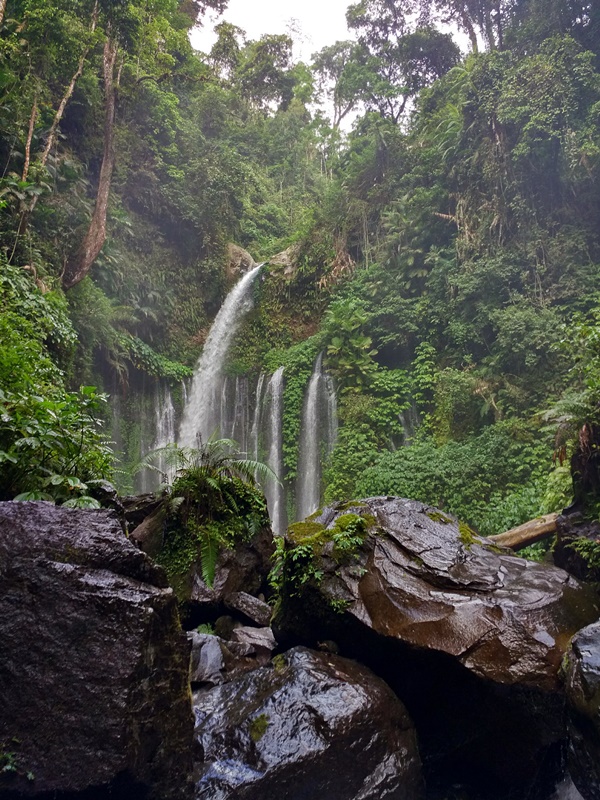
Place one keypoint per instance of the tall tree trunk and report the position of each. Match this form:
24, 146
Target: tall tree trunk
470, 29
32, 119
80, 263
68, 94
2, 10
53, 132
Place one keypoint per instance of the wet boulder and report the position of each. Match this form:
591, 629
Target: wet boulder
215, 660
470, 637
577, 547
244, 568
582, 678
250, 607
309, 725
94, 667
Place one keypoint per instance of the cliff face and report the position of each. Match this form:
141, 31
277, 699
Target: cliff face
94, 666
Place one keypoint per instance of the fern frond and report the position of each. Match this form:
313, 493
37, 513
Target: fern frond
209, 551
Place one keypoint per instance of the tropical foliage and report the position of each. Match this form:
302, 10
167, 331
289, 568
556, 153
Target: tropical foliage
438, 213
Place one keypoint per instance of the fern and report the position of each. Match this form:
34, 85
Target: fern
209, 551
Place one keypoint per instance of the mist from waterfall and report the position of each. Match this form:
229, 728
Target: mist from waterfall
318, 433
202, 414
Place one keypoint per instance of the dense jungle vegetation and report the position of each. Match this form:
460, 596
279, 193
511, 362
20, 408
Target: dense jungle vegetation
444, 253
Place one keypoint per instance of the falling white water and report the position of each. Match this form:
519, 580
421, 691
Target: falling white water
165, 427
255, 430
308, 490
202, 412
241, 414
273, 489
318, 433
332, 417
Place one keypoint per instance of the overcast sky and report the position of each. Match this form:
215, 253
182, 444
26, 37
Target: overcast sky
320, 22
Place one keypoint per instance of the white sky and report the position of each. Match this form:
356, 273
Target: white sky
320, 22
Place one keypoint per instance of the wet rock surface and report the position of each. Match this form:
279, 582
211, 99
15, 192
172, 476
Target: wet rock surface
582, 680
94, 693
470, 637
253, 609
311, 725
241, 569
577, 547
215, 660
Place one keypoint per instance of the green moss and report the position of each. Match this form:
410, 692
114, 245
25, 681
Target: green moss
437, 516
467, 535
258, 727
351, 504
300, 531
279, 663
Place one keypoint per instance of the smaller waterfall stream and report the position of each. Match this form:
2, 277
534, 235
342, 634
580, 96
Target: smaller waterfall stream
165, 426
202, 414
317, 437
273, 490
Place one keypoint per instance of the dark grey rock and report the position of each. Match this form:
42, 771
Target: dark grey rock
470, 637
311, 725
215, 661
582, 679
251, 607
261, 640
93, 663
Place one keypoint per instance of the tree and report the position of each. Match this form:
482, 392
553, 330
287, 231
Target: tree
265, 76
129, 30
395, 61
335, 68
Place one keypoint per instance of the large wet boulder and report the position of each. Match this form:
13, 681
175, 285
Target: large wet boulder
470, 637
310, 725
94, 666
582, 677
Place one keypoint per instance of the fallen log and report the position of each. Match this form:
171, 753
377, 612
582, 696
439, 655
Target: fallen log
528, 533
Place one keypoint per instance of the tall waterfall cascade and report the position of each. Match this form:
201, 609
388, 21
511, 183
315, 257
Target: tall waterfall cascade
202, 414
251, 413
318, 434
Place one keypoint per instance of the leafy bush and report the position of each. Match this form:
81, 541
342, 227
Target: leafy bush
469, 479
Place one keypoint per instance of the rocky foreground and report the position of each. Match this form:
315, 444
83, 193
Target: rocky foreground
407, 658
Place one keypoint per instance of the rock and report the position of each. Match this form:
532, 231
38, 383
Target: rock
242, 569
148, 535
582, 679
287, 260
261, 640
93, 663
139, 506
239, 261
309, 726
470, 637
577, 548
106, 494
251, 607
215, 661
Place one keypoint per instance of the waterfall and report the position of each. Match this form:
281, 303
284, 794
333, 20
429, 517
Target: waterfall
202, 412
256, 419
318, 433
274, 491
165, 426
